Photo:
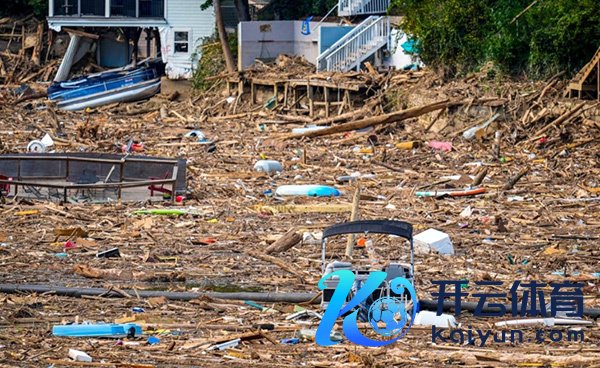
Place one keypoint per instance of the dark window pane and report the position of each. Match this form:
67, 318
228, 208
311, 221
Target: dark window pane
65, 7
181, 47
181, 36
123, 8
92, 7
152, 8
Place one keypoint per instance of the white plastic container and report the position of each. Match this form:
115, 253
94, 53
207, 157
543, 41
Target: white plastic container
268, 166
433, 239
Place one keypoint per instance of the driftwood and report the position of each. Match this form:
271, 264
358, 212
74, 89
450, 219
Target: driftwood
512, 181
480, 176
287, 241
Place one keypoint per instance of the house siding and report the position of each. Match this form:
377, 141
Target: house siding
186, 16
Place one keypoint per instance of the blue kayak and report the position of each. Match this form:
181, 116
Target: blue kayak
105, 88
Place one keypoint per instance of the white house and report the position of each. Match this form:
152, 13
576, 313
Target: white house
175, 28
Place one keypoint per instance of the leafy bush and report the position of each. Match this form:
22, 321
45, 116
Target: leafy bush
458, 36
211, 61
19, 7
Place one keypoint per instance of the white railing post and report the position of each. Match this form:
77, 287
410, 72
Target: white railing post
51, 8
107, 8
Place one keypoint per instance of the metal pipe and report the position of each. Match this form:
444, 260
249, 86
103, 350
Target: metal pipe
259, 297
172, 295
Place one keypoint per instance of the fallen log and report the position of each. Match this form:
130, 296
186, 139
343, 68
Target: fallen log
385, 119
287, 241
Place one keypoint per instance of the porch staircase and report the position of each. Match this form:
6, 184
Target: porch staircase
356, 46
587, 80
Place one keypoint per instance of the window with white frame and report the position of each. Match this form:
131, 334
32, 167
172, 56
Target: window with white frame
182, 42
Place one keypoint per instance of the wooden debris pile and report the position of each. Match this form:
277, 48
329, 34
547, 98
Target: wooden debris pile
534, 154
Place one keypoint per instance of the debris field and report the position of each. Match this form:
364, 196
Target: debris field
535, 153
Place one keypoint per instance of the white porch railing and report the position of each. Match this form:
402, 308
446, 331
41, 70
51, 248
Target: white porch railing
356, 46
357, 7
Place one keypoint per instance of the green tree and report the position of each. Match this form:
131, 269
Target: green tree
550, 36
20, 7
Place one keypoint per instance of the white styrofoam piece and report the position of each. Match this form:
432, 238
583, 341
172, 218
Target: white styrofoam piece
434, 240
79, 356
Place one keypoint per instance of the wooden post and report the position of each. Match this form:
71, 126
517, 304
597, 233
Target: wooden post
598, 80
353, 217
497, 139
252, 92
311, 103
121, 173
326, 96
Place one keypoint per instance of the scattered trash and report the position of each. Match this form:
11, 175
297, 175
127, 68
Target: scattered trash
153, 340
198, 134
225, 345
259, 307
433, 239
312, 238
307, 190
129, 330
309, 128
304, 316
290, 341
406, 145
476, 130
450, 193
467, 212
138, 310
79, 356
309, 335
40, 146
442, 146
427, 318
131, 146
268, 166
114, 252
36, 147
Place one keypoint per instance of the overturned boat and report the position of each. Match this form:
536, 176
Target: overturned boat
105, 88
